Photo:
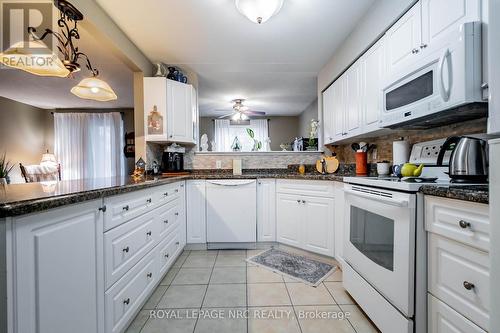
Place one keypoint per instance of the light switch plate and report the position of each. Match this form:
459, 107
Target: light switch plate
218, 164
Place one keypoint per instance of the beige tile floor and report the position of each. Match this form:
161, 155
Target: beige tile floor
218, 291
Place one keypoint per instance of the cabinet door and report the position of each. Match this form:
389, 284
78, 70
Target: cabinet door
179, 112
404, 40
196, 212
353, 96
318, 225
440, 17
443, 319
372, 82
155, 108
328, 115
182, 217
289, 212
266, 210
339, 108
58, 270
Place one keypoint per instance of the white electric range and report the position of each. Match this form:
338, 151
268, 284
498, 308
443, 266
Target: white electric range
385, 247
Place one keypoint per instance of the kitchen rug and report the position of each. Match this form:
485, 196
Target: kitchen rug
306, 270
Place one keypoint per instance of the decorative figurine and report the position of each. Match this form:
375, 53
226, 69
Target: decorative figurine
204, 142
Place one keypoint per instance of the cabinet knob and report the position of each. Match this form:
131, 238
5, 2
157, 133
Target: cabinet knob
166, 255
176, 190
126, 301
126, 249
102, 209
149, 200
149, 275
166, 221
468, 285
165, 194
182, 185
484, 86
170, 136
126, 207
464, 224
148, 233
298, 201
176, 243
423, 46
176, 214
415, 51
303, 201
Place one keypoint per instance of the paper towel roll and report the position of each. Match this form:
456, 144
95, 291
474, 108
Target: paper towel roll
400, 152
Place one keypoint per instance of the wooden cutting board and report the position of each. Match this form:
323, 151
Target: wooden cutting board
332, 164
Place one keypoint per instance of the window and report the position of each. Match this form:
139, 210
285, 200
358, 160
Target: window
225, 134
89, 145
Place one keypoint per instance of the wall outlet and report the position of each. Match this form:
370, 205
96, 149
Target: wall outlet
218, 164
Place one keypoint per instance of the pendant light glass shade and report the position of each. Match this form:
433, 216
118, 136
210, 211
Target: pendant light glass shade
259, 11
95, 89
43, 62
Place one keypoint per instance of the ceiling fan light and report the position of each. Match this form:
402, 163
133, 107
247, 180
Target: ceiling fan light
259, 11
43, 62
244, 117
94, 89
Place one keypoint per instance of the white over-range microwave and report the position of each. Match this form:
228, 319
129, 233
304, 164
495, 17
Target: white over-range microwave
447, 78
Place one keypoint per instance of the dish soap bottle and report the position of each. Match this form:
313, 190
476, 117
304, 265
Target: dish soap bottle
302, 169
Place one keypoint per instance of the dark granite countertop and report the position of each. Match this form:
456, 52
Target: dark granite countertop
473, 193
20, 199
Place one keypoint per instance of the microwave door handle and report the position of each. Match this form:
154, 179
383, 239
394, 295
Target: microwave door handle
393, 202
445, 93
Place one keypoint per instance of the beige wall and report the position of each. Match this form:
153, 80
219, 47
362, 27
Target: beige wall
23, 134
305, 119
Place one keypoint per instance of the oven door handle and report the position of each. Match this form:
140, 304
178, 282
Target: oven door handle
393, 202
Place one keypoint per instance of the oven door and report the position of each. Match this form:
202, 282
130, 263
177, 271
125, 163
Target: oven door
380, 241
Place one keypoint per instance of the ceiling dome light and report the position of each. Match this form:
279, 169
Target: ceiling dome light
43, 62
95, 89
259, 11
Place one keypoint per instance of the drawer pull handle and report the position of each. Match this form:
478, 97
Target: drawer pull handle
176, 190
127, 301
176, 214
303, 201
298, 201
149, 275
166, 255
176, 243
149, 200
148, 233
126, 207
463, 224
468, 285
165, 194
126, 249
166, 221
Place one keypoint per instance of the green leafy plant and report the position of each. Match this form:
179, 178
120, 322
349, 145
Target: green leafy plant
257, 145
5, 166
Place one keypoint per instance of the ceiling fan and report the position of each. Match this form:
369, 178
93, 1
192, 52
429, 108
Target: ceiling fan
240, 111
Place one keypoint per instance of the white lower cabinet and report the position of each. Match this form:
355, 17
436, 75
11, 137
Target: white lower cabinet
55, 259
196, 212
266, 210
305, 221
443, 319
125, 297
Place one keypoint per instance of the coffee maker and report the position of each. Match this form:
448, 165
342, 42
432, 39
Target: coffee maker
172, 162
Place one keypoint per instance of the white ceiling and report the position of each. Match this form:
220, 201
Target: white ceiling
274, 66
50, 92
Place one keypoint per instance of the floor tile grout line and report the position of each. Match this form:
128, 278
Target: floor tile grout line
339, 305
293, 307
246, 288
206, 291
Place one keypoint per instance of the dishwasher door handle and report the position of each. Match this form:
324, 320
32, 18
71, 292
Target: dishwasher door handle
231, 183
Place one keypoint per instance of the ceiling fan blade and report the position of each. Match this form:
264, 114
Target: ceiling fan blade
226, 115
224, 110
254, 113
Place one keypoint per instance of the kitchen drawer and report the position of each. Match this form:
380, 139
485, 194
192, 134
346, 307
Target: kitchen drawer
462, 221
125, 245
318, 188
128, 294
169, 192
451, 267
169, 216
443, 319
168, 250
123, 207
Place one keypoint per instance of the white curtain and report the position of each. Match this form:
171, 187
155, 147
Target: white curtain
261, 131
222, 135
89, 145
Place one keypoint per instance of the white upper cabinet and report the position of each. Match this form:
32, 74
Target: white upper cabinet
404, 39
372, 80
353, 97
169, 113
334, 111
328, 112
439, 17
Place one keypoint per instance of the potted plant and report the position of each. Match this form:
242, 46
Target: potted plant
312, 144
5, 168
257, 145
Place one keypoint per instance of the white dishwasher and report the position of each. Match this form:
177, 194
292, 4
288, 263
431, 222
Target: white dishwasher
231, 212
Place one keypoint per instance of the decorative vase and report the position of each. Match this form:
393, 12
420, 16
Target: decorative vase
172, 73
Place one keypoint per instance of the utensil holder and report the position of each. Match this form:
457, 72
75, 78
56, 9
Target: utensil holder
361, 164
